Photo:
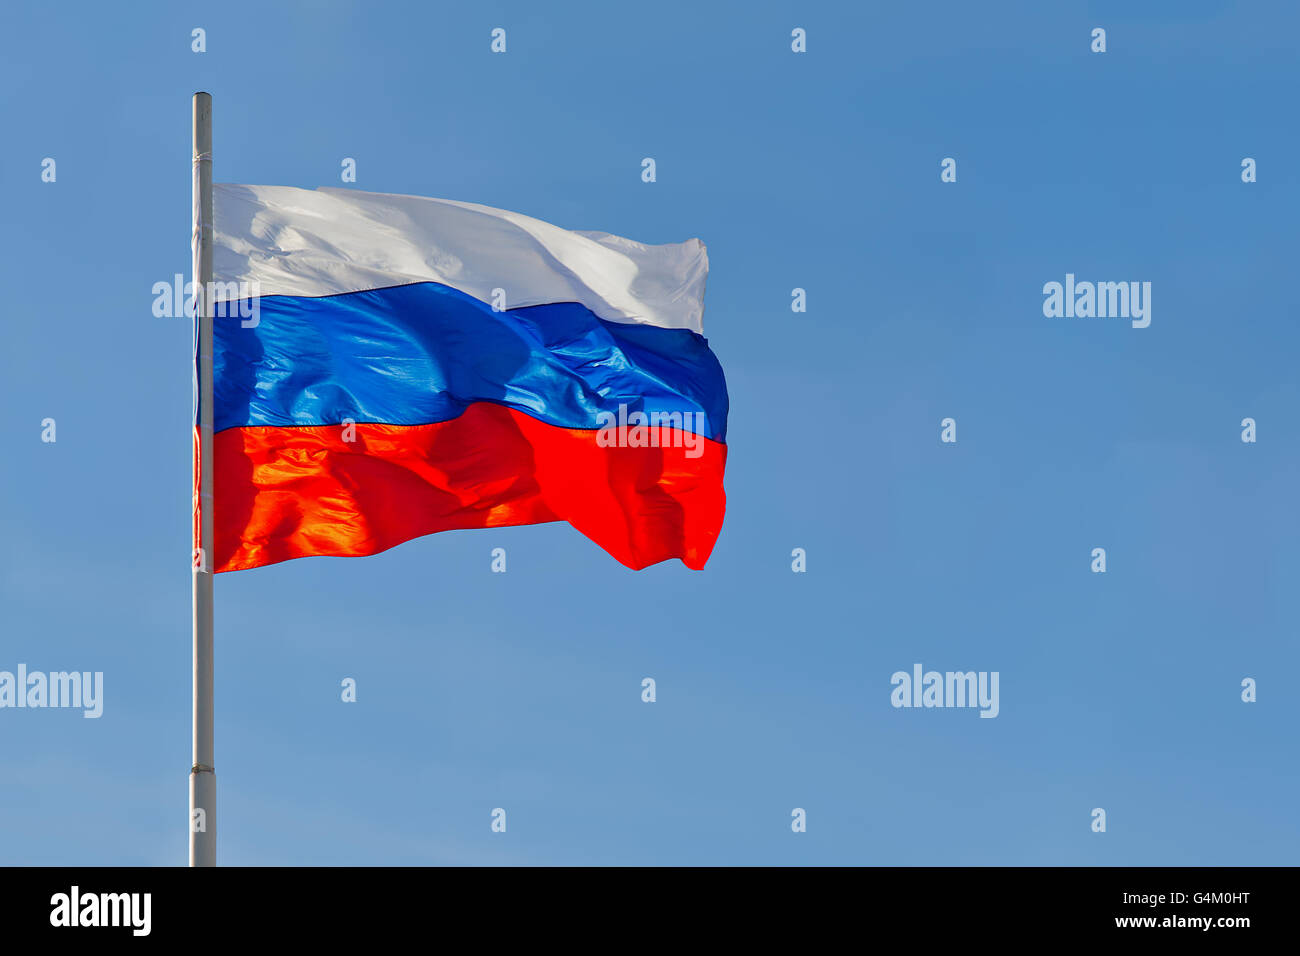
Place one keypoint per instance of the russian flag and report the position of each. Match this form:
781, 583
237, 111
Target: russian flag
386, 367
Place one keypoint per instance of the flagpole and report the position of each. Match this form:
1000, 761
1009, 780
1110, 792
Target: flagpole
203, 776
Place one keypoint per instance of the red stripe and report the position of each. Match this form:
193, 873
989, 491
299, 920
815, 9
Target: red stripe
283, 493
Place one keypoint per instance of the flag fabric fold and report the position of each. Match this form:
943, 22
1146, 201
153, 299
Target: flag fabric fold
387, 367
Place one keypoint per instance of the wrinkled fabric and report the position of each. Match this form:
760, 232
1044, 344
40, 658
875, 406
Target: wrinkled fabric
285, 493
386, 367
326, 241
418, 354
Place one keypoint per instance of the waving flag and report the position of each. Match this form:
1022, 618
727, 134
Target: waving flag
386, 367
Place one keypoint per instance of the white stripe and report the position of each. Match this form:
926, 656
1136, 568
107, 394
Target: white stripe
316, 242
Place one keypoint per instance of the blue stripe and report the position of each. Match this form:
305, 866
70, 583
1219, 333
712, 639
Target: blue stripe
421, 353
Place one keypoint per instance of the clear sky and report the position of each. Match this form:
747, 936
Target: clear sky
818, 171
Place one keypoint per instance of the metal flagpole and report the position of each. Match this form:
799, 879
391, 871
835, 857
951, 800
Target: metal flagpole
203, 778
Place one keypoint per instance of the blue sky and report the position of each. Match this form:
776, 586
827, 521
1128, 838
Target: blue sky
817, 170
